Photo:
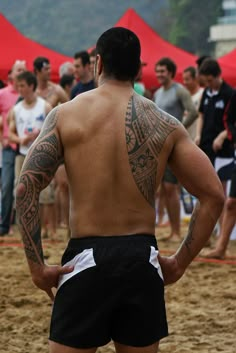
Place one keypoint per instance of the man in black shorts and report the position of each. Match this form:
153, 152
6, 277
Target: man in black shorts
229, 217
115, 144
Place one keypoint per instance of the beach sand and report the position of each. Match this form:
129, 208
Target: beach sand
201, 307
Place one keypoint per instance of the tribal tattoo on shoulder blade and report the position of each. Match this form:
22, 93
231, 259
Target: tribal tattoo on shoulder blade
38, 170
146, 129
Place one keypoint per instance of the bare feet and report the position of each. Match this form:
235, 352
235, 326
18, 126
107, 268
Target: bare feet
163, 224
214, 254
175, 238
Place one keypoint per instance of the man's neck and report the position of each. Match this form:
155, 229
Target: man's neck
42, 84
168, 84
194, 90
87, 78
108, 82
31, 99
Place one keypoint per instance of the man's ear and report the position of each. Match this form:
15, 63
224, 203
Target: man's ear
99, 64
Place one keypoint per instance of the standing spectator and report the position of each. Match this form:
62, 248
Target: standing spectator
201, 78
67, 68
82, 73
174, 99
229, 215
26, 119
92, 58
53, 93
210, 128
211, 132
190, 81
67, 82
8, 97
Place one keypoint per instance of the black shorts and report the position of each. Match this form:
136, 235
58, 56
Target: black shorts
232, 191
115, 292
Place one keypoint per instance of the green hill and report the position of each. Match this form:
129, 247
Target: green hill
72, 25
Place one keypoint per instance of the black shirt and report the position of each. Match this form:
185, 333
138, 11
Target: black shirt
81, 88
230, 118
213, 107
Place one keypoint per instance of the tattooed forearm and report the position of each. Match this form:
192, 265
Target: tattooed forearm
190, 238
146, 130
38, 170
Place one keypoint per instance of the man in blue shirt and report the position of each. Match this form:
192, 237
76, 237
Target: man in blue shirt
82, 73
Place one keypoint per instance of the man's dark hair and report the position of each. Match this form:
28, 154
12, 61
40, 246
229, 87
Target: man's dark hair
200, 60
2, 84
66, 80
84, 56
192, 70
170, 65
119, 49
29, 78
40, 62
210, 67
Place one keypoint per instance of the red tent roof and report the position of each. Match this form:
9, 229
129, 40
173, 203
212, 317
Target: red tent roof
15, 46
228, 66
153, 48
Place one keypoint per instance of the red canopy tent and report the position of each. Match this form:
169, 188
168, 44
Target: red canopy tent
15, 46
153, 48
228, 66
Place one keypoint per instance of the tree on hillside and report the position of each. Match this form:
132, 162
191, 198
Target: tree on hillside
188, 23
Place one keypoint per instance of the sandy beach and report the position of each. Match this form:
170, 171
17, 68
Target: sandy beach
201, 307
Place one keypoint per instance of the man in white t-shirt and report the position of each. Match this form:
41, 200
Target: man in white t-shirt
26, 120
27, 116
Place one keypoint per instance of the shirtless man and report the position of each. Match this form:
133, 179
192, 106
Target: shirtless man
115, 144
46, 89
54, 94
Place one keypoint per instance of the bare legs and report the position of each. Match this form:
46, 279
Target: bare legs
60, 348
62, 197
172, 199
120, 348
228, 222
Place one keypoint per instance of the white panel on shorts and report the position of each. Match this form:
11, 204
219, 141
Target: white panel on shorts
81, 262
154, 261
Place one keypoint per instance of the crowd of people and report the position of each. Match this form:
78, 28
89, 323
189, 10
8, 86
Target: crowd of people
204, 104
25, 101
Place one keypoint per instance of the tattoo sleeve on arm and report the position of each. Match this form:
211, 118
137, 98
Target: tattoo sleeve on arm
38, 170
